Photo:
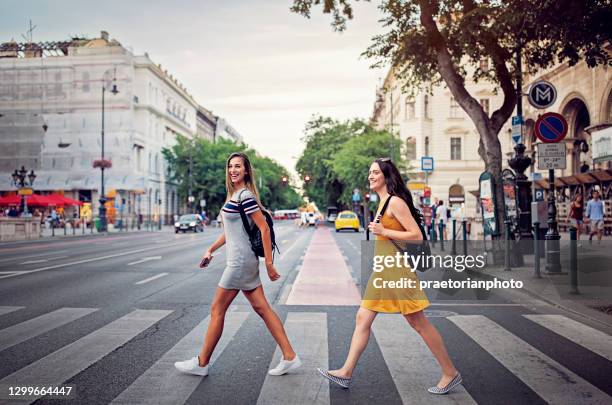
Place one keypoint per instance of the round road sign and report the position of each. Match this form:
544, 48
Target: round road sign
551, 127
542, 94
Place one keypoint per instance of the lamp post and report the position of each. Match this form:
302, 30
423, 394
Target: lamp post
104, 164
24, 186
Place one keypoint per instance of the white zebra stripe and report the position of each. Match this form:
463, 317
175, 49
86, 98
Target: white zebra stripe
8, 310
37, 326
549, 379
411, 364
70, 360
590, 338
307, 332
162, 383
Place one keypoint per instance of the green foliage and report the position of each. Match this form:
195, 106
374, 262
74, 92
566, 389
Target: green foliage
338, 155
208, 180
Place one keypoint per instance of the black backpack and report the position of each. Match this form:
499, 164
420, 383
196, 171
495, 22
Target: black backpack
254, 232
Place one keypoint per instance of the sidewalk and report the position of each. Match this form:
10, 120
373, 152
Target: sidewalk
594, 279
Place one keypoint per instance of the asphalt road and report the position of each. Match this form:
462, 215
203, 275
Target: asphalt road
110, 314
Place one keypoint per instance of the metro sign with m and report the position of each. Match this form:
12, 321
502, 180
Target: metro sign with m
542, 94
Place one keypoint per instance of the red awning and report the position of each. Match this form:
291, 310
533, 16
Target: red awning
60, 200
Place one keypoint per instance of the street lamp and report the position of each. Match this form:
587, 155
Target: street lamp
103, 164
19, 181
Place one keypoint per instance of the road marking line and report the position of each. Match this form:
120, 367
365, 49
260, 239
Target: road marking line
8, 310
93, 259
161, 383
31, 256
70, 360
43, 260
308, 332
403, 348
146, 280
145, 259
579, 333
549, 379
37, 326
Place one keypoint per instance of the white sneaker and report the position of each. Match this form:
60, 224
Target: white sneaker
192, 366
285, 366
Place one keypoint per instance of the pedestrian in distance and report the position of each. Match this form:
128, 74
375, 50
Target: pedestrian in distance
442, 217
575, 215
595, 216
401, 221
242, 269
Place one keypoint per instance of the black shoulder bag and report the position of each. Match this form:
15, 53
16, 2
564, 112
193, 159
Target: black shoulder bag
412, 247
254, 233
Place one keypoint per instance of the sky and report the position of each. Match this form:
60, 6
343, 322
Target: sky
265, 69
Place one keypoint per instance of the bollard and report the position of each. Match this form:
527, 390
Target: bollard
65, 228
83, 227
441, 233
432, 234
92, 225
52, 229
454, 242
73, 230
573, 261
507, 247
464, 225
536, 249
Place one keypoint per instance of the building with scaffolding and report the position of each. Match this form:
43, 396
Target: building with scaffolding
51, 118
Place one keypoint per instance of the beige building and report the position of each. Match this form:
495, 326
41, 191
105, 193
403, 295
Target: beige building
433, 124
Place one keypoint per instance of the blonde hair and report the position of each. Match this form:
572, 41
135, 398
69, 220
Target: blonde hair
249, 177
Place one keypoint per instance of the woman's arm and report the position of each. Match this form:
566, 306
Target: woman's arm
400, 211
261, 223
217, 244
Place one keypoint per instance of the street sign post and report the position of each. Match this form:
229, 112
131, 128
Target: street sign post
517, 128
551, 156
542, 94
427, 163
551, 127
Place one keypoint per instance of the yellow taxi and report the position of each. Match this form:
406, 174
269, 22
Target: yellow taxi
347, 220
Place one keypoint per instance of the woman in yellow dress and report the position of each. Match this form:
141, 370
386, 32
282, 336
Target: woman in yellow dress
401, 221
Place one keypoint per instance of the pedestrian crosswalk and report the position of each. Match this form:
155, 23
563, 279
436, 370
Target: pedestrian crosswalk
410, 364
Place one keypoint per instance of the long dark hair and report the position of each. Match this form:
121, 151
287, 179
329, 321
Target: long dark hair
396, 186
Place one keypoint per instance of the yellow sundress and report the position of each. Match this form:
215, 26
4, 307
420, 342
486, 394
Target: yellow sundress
392, 300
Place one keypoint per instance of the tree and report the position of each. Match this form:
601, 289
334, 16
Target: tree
208, 177
323, 136
432, 41
338, 155
352, 162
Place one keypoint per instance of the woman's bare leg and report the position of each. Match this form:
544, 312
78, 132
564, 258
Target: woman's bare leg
434, 341
361, 335
221, 302
261, 306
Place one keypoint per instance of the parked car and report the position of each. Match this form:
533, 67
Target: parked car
311, 219
347, 220
189, 222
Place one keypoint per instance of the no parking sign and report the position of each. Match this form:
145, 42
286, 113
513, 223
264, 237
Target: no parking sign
551, 127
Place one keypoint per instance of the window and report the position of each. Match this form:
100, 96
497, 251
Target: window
426, 106
85, 82
410, 109
455, 109
484, 102
58, 83
484, 64
410, 148
455, 148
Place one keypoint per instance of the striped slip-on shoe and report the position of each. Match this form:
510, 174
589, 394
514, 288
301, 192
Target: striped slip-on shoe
444, 390
343, 382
